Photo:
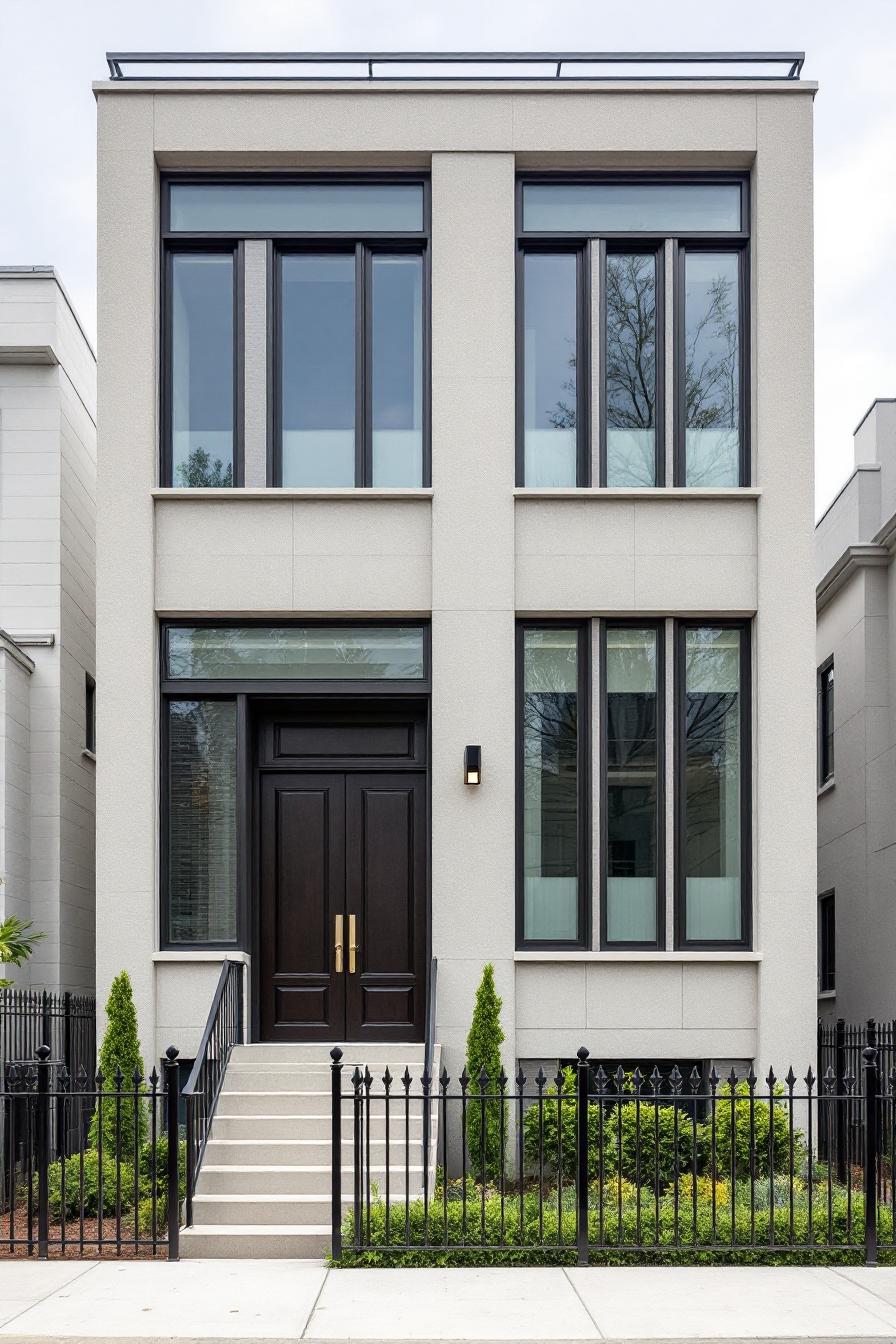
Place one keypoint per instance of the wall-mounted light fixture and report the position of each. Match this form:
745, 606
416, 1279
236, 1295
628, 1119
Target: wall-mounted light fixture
472, 765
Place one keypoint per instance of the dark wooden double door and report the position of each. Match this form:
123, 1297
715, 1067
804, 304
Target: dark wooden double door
342, 807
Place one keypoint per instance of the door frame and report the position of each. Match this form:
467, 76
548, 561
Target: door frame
251, 771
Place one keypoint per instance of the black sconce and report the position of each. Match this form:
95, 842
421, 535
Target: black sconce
472, 765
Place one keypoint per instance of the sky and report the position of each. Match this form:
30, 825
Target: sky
51, 50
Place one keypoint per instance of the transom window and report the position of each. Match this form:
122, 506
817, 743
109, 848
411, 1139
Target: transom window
620, 278
296, 332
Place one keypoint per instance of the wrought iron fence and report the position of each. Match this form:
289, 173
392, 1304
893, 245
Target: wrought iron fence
223, 1030
118, 1193
840, 1045
590, 1166
67, 1024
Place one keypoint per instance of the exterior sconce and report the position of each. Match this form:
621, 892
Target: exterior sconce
472, 765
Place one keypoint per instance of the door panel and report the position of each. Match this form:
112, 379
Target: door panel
302, 891
386, 831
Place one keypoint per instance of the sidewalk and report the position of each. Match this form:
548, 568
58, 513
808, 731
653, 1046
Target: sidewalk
301, 1300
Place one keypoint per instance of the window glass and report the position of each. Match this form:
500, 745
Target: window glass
344, 653
549, 360
632, 785
631, 207
712, 785
826, 943
550, 785
630, 372
826, 723
202, 369
297, 207
397, 392
318, 370
89, 713
202, 821
712, 368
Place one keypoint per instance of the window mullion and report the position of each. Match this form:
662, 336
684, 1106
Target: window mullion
363, 450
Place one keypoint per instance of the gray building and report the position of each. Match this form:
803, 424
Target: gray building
856, 695
389, 471
47, 615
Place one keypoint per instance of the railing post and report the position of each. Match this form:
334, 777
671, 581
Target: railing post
582, 1089
336, 1156
43, 1150
869, 1069
356, 1149
68, 1061
841, 1136
171, 1070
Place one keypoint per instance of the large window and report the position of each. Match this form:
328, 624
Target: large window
826, 722
713, 799
629, 234
316, 291
631, 796
827, 944
553, 784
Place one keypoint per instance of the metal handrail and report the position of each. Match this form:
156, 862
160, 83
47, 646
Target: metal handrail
223, 1030
793, 60
428, 1043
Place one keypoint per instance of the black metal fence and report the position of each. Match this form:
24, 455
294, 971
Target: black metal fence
587, 1166
840, 1045
120, 1191
67, 1024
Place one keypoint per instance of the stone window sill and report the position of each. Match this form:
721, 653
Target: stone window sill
228, 495
738, 954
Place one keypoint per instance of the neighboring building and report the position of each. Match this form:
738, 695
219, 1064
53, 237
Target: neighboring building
47, 611
856, 692
450, 414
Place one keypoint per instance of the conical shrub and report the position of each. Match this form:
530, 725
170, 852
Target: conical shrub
120, 1119
484, 1053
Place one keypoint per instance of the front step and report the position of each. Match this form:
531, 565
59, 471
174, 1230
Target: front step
264, 1189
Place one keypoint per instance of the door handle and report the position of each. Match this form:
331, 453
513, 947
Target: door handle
352, 943
338, 945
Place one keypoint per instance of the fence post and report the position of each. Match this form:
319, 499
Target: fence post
841, 1136
336, 1156
582, 1089
869, 1069
171, 1070
43, 1150
356, 1149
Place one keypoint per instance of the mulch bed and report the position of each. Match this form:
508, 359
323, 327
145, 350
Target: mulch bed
73, 1248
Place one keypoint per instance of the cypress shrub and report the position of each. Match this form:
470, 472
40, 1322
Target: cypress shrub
484, 1052
120, 1050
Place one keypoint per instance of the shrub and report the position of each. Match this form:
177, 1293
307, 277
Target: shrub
657, 1142
779, 1125
484, 1053
120, 1050
70, 1206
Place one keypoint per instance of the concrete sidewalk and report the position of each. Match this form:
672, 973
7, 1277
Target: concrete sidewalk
293, 1300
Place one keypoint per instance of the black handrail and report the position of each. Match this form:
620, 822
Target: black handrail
428, 1043
792, 60
223, 1030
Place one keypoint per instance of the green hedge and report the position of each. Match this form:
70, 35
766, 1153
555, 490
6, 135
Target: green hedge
111, 1191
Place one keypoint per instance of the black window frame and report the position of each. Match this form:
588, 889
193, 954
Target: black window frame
208, 245
825, 750
827, 942
214, 240
241, 691
583, 785
657, 944
623, 241
745, 942
658, 251
89, 713
741, 248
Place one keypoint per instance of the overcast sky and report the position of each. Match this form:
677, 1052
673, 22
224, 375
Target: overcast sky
50, 50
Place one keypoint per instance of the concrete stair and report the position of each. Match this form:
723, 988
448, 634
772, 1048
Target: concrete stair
263, 1190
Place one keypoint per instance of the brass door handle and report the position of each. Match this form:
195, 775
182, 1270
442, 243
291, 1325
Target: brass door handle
338, 945
352, 943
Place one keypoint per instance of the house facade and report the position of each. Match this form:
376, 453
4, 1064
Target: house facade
856, 693
47, 627
455, 586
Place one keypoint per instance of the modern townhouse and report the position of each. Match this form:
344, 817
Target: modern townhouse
47, 615
856, 695
455, 588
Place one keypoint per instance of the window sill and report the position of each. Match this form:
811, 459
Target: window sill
227, 494
202, 954
826, 786
659, 492
827, 994
636, 955
88, 754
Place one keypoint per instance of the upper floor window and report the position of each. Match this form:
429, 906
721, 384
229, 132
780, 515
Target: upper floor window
616, 276
827, 943
826, 722
323, 287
